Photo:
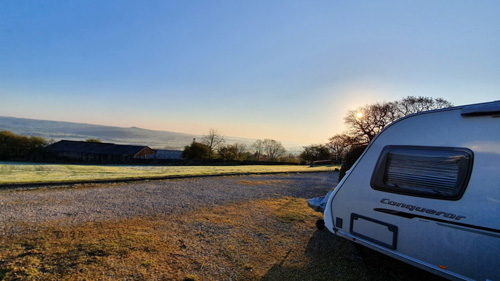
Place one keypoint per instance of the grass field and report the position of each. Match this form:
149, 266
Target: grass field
19, 173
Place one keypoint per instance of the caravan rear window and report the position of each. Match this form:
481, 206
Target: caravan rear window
435, 172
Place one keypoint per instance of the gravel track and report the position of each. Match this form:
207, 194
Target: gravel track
22, 210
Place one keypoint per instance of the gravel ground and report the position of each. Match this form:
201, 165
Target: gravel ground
308, 258
104, 202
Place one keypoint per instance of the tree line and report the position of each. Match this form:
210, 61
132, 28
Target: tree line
214, 147
15, 147
363, 124
22, 148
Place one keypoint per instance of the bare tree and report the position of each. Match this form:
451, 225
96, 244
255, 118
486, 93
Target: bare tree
339, 145
241, 149
258, 147
274, 149
367, 121
213, 140
412, 104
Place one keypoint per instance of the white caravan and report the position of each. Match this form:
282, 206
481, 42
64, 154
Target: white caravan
426, 191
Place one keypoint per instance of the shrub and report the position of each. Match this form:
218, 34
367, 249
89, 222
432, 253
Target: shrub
196, 151
17, 147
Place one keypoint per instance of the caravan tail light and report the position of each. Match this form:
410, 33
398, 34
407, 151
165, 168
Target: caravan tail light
436, 172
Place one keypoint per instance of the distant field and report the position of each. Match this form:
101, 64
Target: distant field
13, 173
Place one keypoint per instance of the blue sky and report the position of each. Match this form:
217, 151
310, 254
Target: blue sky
285, 70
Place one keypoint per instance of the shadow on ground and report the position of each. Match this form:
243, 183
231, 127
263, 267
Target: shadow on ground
328, 257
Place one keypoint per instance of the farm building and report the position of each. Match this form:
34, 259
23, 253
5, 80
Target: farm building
163, 154
99, 152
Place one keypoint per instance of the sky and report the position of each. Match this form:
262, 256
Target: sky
284, 70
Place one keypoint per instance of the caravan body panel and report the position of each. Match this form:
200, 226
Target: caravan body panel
420, 216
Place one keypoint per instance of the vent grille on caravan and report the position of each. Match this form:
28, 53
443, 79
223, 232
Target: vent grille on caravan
435, 172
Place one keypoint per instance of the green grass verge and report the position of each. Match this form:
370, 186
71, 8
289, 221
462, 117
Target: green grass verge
14, 173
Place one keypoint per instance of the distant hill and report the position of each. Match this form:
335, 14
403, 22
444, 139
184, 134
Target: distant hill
76, 131
58, 130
